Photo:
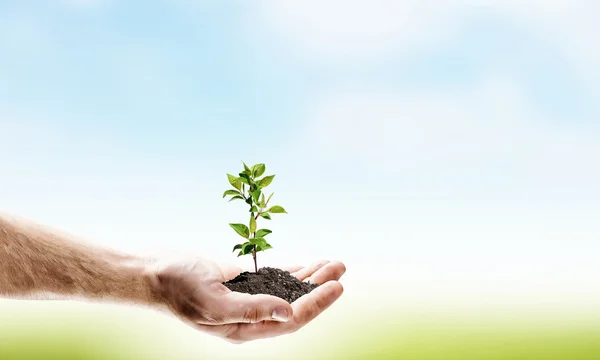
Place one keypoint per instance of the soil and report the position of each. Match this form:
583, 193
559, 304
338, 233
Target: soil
270, 281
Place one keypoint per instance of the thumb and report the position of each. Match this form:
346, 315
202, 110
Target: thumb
245, 308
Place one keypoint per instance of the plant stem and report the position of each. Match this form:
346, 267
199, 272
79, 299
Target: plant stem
254, 256
254, 234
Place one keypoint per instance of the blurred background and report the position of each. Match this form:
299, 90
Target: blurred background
445, 151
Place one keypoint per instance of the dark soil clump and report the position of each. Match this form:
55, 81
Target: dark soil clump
270, 281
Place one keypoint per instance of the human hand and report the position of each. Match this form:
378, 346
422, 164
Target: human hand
193, 291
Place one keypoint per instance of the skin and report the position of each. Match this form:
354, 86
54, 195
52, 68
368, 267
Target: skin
37, 262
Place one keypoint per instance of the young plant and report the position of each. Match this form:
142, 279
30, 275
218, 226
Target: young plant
248, 186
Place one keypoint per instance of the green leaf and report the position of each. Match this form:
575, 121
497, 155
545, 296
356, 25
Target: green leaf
264, 182
259, 242
249, 181
262, 200
243, 180
269, 199
253, 209
258, 170
247, 170
249, 200
241, 229
247, 248
252, 224
245, 176
240, 253
263, 247
234, 181
236, 198
277, 210
265, 216
256, 196
263, 232
231, 192
238, 246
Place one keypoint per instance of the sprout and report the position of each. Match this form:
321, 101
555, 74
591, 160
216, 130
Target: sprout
248, 186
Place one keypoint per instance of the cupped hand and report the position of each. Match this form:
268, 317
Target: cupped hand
193, 291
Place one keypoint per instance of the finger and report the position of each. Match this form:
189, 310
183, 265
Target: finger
236, 307
229, 271
306, 309
292, 269
309, 270
332, 271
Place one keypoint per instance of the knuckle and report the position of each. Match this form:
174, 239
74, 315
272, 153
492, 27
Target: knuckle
322, 262
310, 313
252, 315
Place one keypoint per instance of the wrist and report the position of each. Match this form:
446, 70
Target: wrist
142, 272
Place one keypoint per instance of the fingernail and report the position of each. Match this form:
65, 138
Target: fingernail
280, 314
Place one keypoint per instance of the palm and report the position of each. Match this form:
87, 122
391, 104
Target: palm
304, 309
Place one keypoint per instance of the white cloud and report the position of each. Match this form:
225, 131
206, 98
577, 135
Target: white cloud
356, 28
347, 27
492, 129
347, 33
491, 134
488, 134
570, 26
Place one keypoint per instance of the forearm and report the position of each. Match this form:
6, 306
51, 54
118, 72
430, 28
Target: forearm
38, 263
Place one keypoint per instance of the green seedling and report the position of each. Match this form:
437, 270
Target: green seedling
248, 186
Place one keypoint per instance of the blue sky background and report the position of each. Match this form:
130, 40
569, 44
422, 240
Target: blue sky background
428, 142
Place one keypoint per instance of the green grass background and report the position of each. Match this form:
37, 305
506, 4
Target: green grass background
45, 330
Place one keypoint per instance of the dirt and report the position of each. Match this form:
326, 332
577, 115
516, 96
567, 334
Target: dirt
270, 281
